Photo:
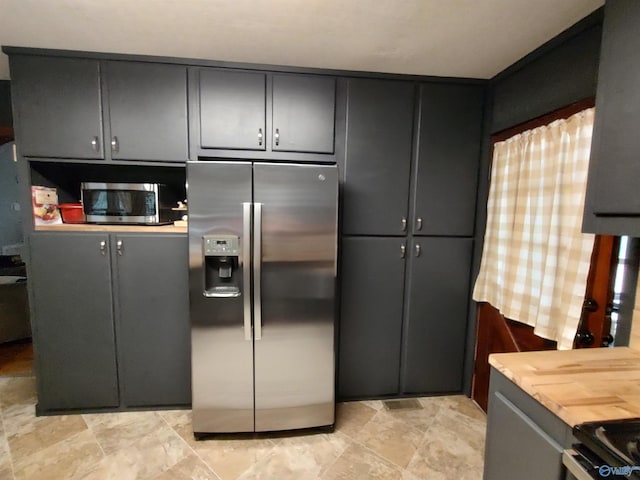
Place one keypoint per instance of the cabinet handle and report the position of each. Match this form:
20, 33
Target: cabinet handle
119, 247
418, 249
103, 248
277, 136
95, 144
419, 224
115, 144
260, 136
404, 224
403, 250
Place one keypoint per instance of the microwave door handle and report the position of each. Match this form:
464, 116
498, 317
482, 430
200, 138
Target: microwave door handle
257, 268
245, 258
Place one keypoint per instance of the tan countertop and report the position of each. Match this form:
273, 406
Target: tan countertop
90, 227
578, 385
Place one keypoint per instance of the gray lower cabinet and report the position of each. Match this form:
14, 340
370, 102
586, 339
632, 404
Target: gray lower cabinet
436, 317
524, 440
404, 315
372, 278
153, 332
73, 327
111, 325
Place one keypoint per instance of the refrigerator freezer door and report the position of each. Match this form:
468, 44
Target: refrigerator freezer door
294, 358
222, 356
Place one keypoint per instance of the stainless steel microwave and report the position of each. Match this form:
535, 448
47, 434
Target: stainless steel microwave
133, 203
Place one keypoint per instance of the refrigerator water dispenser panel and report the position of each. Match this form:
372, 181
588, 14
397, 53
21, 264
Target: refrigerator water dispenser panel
221, 260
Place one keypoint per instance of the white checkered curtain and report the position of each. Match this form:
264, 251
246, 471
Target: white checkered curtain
535, 260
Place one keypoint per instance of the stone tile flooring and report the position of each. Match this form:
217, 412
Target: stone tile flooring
442, 441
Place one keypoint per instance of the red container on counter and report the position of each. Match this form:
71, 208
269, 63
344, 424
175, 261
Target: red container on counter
72, 212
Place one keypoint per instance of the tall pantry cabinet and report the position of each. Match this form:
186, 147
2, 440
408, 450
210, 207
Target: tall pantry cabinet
411, 166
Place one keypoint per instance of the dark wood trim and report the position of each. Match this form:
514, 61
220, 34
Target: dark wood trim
546, 119
6, 134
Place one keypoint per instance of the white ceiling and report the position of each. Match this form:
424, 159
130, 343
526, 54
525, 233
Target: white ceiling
459, 38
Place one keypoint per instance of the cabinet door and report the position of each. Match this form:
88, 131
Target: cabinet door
612, 192
232, 109
437, 317
148, 111
378, 160
153, 319
57, 107
371, 316
73, 323
303, 113
448, 159
516, 447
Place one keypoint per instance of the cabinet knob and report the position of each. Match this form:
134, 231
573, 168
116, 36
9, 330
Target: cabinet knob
419, 223
115, 144
403, 250
276, 136
418, 250
103, 248
95, 144
119, 247
404, 224
260, 136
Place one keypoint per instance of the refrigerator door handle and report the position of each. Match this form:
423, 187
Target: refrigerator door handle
257, 267
246, 267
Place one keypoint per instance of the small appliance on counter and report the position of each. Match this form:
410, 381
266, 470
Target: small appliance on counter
129, 203
72, 212
608, 449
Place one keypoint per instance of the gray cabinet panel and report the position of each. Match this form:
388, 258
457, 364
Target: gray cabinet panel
612, 203
437, 315
73, 325
148, 111
153, 319
448, 159
378, 156
510, 428
57, 107
303, 113
371, 316
232, 109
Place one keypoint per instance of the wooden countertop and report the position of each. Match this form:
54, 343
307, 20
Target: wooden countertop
579, 386
90, 227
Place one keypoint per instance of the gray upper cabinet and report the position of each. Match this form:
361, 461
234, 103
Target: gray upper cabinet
448, 159
148, 111
232, 109
378, 157
372, 282
57, 107
153, 319
73, 323
303, 113
612, 204
68, 107
258, 111
436, 321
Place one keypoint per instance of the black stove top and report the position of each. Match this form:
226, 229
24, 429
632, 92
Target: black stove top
616, 442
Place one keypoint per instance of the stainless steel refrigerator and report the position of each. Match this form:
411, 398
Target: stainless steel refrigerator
262, 274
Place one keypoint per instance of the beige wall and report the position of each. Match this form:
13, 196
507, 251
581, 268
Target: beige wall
634, 340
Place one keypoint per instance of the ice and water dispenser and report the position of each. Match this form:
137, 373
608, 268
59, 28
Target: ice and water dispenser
221, 265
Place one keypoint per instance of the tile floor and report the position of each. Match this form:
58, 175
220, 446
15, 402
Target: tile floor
442, 441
